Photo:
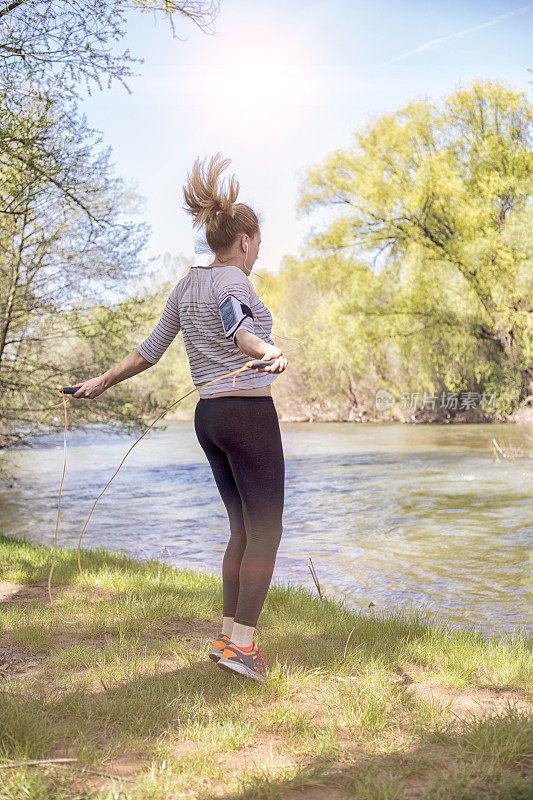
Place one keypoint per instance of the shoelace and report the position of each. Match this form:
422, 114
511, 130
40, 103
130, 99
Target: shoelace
259, 658
258, 661
255, 654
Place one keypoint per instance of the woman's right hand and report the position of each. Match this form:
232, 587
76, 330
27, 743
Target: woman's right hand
280, 362
90, 388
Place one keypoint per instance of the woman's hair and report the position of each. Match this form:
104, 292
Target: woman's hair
214, 207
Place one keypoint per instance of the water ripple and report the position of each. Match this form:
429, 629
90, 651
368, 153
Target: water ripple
400, 516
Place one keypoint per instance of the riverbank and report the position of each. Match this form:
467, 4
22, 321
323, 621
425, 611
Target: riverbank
373, 707
326, 412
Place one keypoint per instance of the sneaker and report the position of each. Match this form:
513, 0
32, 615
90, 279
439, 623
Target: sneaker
251, 664
219, 646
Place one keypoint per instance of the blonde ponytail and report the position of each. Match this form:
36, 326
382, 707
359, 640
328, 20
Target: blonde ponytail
213, 206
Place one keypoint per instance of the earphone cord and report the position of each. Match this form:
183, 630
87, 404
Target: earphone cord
287, 338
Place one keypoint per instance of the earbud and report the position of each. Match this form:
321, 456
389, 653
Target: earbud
245, 257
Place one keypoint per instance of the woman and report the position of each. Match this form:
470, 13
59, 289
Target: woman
223, 321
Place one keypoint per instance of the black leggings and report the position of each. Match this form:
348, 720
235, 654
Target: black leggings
242, 441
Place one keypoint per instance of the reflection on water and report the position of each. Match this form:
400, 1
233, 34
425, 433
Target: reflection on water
398, 515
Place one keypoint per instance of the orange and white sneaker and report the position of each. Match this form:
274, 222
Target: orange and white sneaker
218, 647
243, 661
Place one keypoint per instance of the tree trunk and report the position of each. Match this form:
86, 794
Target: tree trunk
527, 383
10, 302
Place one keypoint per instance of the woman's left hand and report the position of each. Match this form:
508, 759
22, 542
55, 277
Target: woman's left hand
280, 362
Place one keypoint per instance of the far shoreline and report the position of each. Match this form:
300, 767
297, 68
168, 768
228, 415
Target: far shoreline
319, 413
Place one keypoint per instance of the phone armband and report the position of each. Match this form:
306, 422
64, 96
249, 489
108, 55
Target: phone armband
233, 313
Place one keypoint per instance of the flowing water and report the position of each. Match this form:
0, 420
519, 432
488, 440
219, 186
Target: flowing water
401, 516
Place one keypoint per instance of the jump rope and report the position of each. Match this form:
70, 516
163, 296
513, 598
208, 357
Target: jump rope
70, 390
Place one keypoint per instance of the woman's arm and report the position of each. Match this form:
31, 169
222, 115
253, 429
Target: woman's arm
129, 366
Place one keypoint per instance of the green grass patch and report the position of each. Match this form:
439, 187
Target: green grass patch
124, 684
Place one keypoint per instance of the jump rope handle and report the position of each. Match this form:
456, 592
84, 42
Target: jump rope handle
69, 389
256, 363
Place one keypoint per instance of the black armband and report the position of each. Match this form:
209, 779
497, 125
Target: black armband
232, 314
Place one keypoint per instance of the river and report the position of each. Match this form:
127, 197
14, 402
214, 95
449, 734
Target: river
401, 516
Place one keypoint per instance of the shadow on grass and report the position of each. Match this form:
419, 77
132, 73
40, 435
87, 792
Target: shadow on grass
303, 630
464, 764
36, 720
490, 756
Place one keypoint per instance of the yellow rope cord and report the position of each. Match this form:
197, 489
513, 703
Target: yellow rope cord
235, 373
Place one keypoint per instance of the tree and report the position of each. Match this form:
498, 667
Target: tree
54, 44
54, 258
48, 47
66, 242
428, 194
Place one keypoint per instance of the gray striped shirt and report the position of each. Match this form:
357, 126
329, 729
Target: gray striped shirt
192, 307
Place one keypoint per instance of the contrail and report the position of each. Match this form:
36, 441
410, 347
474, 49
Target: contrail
436, 42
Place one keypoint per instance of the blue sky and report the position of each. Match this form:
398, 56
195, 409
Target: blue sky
278, 87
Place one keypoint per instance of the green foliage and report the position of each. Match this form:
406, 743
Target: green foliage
60, 253
67, 242
425, 265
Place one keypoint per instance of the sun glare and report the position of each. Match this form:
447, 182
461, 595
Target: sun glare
263, 74
259, 81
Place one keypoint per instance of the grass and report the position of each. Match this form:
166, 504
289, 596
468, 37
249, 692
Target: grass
124, 684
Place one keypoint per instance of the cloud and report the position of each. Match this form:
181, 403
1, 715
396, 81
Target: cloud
432, 43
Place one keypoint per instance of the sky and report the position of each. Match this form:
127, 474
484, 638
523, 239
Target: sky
277, 87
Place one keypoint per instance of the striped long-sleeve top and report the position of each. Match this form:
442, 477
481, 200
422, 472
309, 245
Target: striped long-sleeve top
193, 308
